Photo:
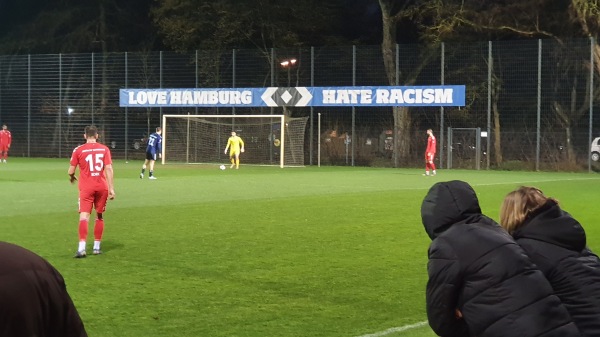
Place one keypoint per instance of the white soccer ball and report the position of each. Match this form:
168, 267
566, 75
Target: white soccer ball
222, 167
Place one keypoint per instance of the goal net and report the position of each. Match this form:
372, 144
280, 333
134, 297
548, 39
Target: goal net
201, 139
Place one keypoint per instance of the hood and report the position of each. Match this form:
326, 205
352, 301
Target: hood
448, 203
551, 224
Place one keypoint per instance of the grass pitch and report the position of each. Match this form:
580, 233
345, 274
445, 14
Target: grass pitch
260, 251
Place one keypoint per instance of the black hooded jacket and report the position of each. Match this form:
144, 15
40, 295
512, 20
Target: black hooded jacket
476, 267
556, 243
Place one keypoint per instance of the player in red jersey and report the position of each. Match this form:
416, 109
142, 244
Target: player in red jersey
430, 153
96, 185
5, 140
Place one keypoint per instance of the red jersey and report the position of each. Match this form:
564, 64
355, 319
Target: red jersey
91, 158
431, 144
5, 137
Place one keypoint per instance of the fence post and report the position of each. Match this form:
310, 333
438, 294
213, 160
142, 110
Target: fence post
28, 105
312, 109
59, 105
197, 77
126, 110
1, 59
592, 46
442, 81
539, 107
394, 109
353, 139
233, 66
489, 104
160, 85
93, 87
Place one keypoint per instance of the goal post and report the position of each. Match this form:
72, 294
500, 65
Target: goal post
201, 139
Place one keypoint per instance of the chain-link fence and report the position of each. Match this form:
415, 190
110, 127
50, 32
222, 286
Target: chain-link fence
530, 104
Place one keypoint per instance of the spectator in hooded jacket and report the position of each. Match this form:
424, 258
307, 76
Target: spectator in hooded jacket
556, 243
481, 283
33, 297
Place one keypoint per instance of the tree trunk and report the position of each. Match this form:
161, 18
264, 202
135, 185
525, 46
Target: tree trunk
571, 158
402, 118
402, 124
496, 86
497, 139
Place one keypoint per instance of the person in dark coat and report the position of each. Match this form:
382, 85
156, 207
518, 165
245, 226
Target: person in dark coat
33, 297
556, 243
481, 283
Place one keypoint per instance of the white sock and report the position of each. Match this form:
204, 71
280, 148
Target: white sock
433, 171
96, 245
81, 246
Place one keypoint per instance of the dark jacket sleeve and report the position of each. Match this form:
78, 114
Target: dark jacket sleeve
443, 290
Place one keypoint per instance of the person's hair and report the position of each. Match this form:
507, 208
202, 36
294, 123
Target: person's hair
91, 131
158, 129
429, 130
518, 204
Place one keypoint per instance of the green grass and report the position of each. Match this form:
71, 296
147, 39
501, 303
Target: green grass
261, 251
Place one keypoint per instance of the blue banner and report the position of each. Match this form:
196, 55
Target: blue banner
441, 95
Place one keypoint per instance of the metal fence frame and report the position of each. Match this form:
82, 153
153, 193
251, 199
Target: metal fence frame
47, 93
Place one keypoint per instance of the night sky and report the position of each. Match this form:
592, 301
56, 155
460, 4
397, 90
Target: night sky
361, 19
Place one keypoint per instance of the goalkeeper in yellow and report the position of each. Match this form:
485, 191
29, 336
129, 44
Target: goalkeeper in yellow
236, 145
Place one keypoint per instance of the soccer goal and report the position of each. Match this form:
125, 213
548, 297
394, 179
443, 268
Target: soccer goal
201, 139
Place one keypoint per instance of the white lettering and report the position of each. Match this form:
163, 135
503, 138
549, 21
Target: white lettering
213, 97
152, 97
328, 96
382, 96
409, 96
396, 96
354, 96
443, 95
365, 96
342, 97
247, 97
235, 97
162, 97
187, 97
175, 97
428, 96
132, 99
419, 96
141, 97
223, 97
200, 97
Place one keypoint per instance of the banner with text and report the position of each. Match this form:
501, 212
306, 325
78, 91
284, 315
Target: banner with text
441, 95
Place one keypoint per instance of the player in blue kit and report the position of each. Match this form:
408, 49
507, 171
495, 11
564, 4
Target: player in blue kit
153, 149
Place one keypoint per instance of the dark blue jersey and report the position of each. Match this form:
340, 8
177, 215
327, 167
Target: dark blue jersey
154, 144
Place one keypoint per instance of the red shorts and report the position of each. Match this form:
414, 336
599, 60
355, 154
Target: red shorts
429, 157
92, 198
3, 148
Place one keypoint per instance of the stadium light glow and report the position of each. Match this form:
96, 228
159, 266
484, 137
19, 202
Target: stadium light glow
288, 63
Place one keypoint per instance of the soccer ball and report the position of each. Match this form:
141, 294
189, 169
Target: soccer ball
222, 167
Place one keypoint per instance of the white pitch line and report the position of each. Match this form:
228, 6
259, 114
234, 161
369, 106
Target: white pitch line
396, 329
